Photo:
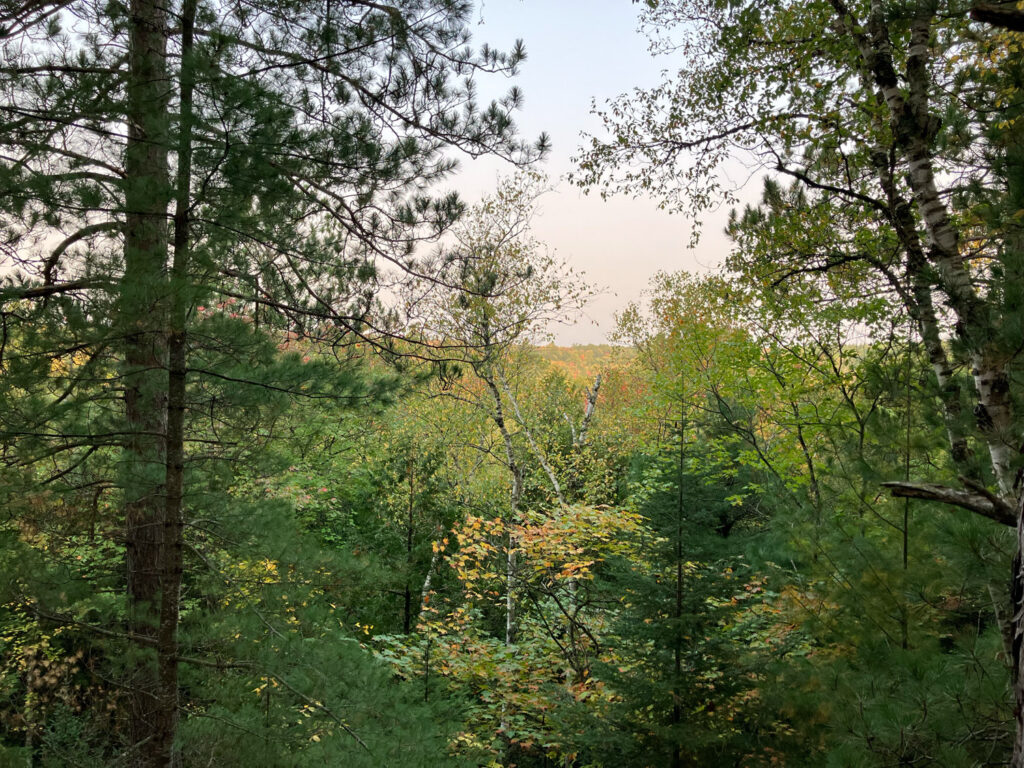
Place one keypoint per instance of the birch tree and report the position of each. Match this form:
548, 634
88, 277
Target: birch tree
904, 116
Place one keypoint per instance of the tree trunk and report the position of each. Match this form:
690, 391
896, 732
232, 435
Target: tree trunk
174, 511
588, 413
143, 316
915, 135
515, 496
425, 590
995, 414
921, 308
407, 607
677, 644
1017, 658
534, 448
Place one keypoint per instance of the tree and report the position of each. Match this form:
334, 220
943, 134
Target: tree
797, 412
162, 157
817, 60
506, 289
890, 115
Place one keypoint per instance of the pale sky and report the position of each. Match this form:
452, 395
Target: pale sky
578, 51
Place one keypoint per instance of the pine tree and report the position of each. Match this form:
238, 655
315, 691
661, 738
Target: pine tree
161, 158
680, 671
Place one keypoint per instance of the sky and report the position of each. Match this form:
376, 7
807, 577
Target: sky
579, 51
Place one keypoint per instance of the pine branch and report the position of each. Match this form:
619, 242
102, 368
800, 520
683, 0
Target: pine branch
42, 291
85, 232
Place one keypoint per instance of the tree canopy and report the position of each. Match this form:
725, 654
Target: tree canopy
291, 474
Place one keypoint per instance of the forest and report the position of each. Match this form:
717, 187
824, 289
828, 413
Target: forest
292, 475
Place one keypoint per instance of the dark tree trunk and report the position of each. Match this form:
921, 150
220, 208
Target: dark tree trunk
1017, 658
407, 612
677, 649
174, 511
143, 315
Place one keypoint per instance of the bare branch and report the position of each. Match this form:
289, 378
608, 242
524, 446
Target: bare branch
985, 504
1005, 15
